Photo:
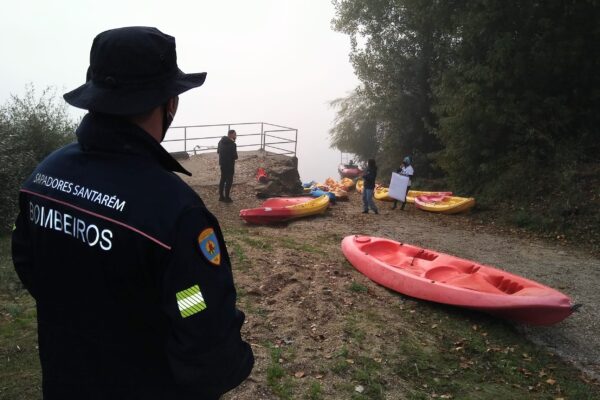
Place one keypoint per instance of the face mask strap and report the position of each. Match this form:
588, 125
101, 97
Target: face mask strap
167, 120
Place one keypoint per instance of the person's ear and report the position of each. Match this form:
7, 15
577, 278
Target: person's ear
172, 105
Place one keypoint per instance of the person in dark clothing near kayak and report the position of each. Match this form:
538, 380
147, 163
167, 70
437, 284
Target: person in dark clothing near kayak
227, 150
129, 270
369, 177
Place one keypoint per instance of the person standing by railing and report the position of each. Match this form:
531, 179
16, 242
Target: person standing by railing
227, 150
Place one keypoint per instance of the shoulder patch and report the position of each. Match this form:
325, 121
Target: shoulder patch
190, 301
209, 246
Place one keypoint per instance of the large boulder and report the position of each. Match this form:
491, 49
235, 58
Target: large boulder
284, 179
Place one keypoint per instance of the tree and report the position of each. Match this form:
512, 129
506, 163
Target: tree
520, 94
30, 128
355, 127
396, 47
494, 92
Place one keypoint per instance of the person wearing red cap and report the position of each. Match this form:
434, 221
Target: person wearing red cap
131, 276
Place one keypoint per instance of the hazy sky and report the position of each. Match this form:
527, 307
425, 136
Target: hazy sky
274, 61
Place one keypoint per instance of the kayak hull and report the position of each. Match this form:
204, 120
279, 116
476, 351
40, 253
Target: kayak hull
359, 185
410, 196
320, 192
275, 202
382, 194
444, 204
443, 278
349, 172
347, 183
280, 209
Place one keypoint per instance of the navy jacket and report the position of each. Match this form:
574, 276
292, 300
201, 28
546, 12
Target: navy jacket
369, 177
130, 273
227, 150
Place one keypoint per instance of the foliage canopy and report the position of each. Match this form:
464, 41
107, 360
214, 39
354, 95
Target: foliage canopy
31, 127
493, 92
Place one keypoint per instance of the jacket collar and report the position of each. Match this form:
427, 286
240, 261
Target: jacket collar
117, 135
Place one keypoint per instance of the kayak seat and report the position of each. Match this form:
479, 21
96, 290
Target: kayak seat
470, 279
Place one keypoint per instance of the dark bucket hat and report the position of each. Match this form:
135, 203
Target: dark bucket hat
132, 70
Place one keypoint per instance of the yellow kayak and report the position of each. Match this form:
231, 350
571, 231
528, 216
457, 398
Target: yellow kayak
347, 183
312, 207
444, 204
383, 194
410, 196
340, 194
359, 185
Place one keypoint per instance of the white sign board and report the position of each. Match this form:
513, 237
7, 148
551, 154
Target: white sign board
398, 187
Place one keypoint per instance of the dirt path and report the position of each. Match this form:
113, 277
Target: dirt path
296, 288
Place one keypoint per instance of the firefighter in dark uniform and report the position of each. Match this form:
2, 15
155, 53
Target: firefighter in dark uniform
130, 273
227, 150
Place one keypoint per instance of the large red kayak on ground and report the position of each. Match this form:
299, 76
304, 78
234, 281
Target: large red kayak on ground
279, 209
439, 277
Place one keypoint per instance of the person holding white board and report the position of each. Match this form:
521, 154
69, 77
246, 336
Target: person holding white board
408, 171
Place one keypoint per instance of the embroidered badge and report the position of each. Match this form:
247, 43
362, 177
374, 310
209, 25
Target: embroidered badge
190, 301
209, 246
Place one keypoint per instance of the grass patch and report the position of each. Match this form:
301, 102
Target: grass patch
257, 243
445, 352
249, 306
240, 260
290, 243
357, 287
359, 370
352, 329
525, 219
278, 381
9, 281
367, 372
229, 231
332, 238
20, 372
340, 366
469, 355
315, 392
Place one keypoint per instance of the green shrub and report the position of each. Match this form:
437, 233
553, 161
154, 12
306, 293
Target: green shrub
31, 127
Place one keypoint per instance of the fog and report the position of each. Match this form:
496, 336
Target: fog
276, 62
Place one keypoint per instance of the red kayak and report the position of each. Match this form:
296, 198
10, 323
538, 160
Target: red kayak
285, 201
439, 277
279, 209
349, 171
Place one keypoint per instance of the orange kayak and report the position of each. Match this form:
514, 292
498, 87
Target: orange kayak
430, 275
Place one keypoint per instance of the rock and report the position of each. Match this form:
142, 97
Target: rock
284, 179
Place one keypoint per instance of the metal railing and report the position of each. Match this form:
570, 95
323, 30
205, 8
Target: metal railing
198, 139
345, 158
